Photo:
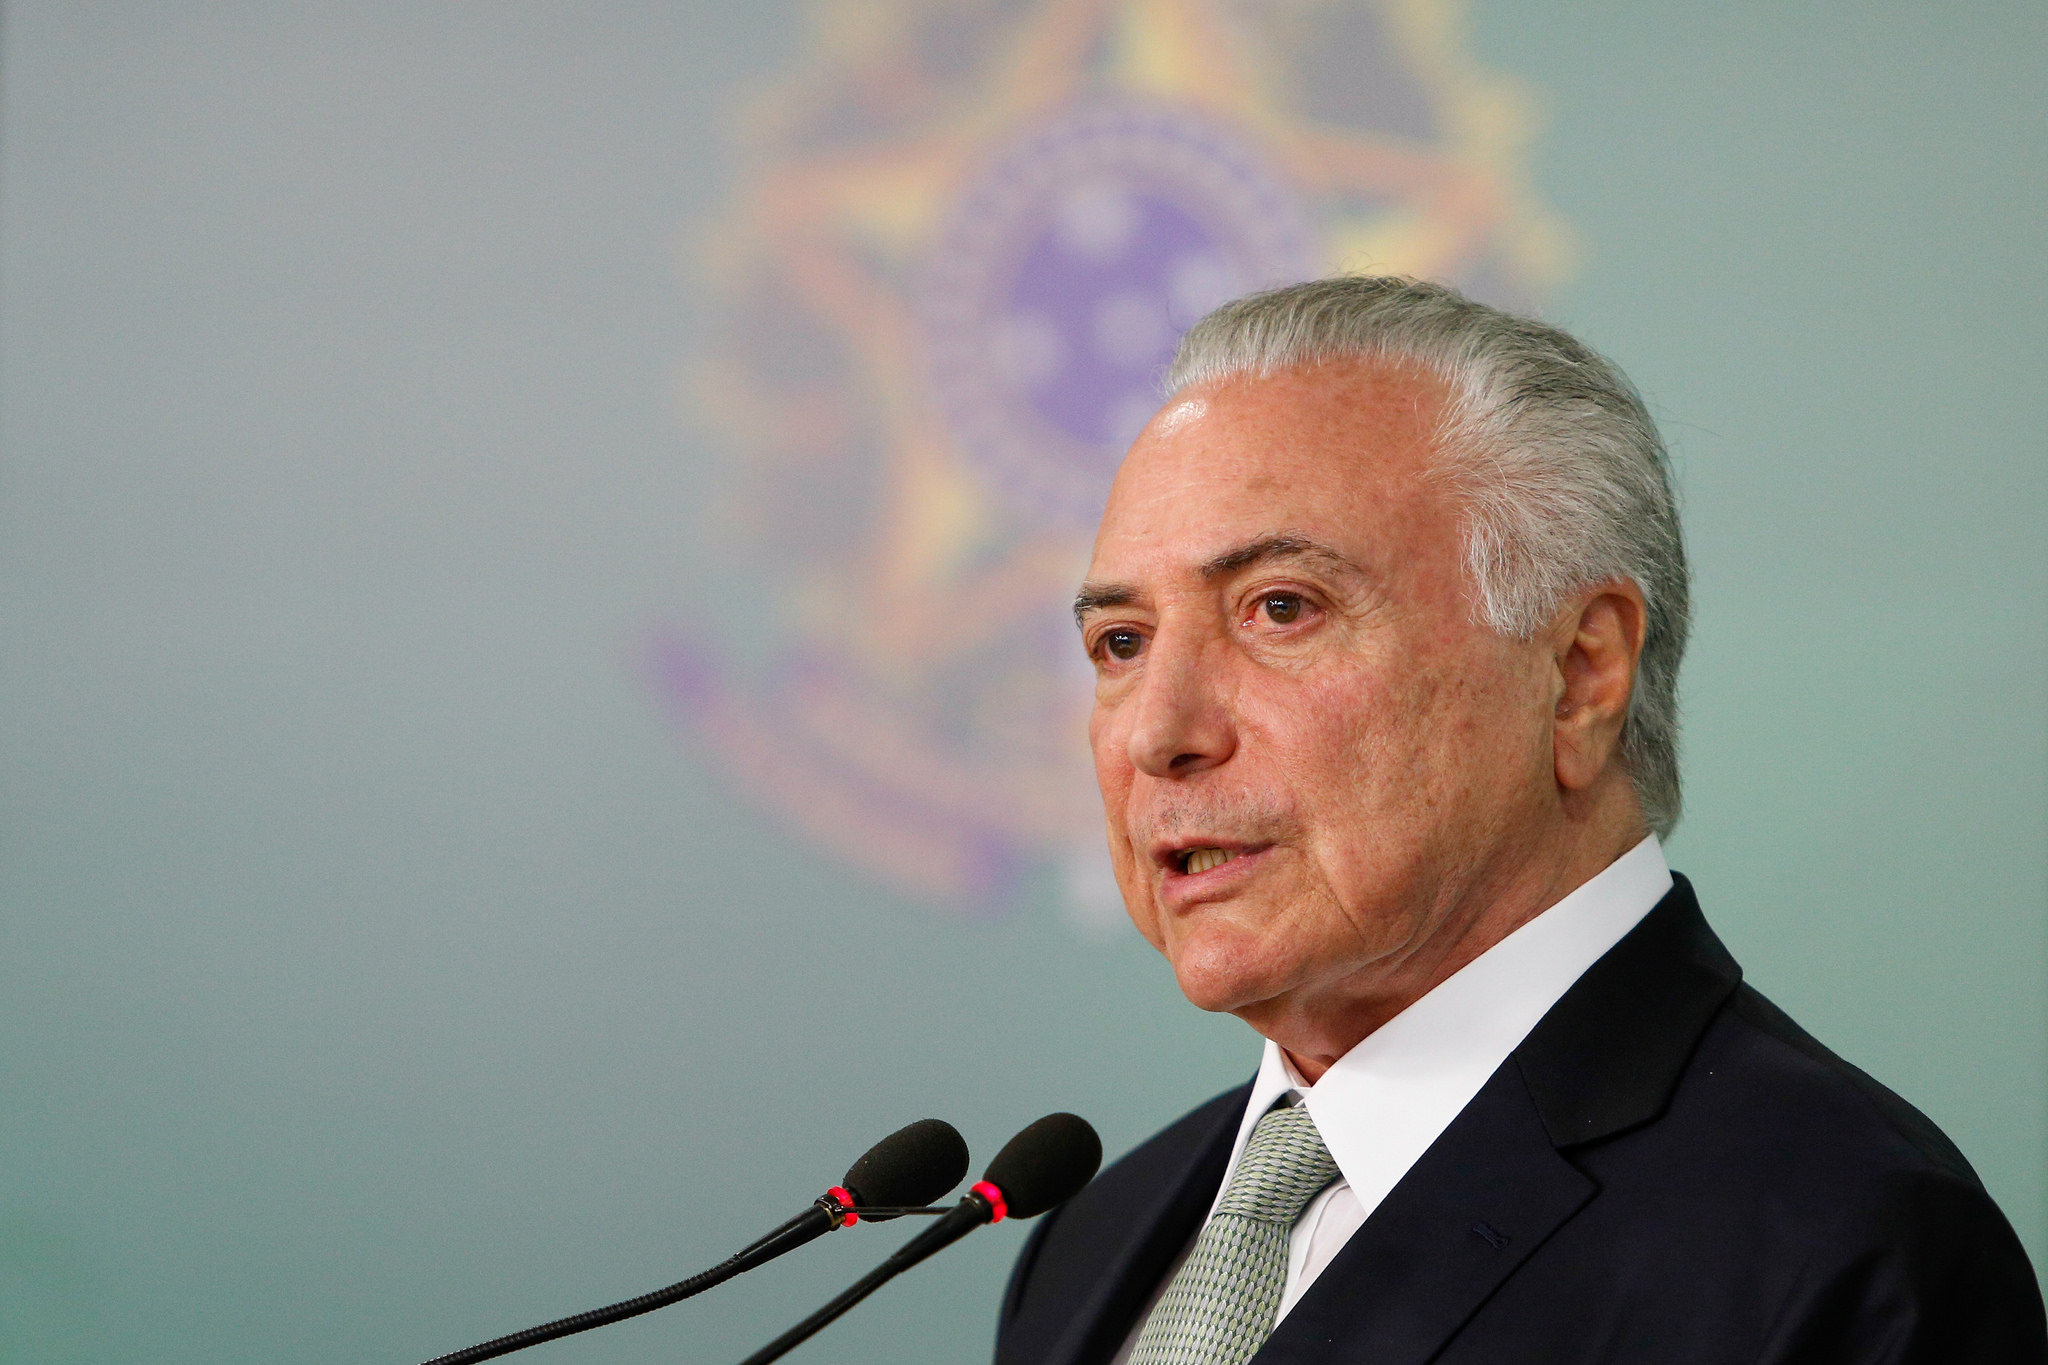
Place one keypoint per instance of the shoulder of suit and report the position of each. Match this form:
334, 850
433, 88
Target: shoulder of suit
1788, 1068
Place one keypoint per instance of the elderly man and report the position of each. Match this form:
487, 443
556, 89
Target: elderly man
1386, 613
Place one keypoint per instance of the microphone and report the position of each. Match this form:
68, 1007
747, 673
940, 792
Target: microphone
1044, 1165
913, 1165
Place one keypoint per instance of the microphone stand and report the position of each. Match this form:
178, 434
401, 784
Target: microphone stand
814, 1222
1046, 1164
973, 1210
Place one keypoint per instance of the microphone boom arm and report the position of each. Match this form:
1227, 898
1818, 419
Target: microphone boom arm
918, 1161
814, 1222
973, 1210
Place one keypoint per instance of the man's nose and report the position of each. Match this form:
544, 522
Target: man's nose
1181, 722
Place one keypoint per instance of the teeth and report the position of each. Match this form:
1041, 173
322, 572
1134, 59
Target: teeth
1202, 859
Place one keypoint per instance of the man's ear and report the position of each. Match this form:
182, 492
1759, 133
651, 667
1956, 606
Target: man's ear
1598, 641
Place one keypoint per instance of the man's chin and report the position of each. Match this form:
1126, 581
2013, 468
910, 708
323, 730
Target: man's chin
1225, 977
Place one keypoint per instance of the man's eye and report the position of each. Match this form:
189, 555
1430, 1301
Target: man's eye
1282, 608
1121, 644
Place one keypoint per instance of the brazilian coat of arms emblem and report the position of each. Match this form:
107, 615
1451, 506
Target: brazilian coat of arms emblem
966, 238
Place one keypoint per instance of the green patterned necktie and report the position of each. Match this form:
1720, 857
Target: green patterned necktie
1222, 1304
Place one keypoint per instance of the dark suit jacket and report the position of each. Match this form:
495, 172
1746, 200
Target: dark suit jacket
1666, 1170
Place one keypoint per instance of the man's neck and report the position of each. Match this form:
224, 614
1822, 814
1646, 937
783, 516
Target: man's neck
1313, 1038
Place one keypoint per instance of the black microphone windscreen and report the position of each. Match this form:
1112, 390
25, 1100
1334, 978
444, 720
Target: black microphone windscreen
1046, 1164
916, 1164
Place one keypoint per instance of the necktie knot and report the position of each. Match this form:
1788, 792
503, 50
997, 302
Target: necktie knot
1283, 1167
1222, 1302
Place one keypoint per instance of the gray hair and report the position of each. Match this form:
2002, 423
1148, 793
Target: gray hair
1565, 481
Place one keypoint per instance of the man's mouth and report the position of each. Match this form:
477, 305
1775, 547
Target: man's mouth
1197, 860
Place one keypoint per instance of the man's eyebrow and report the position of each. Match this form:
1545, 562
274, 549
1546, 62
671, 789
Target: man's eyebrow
1277, 547
1096, 596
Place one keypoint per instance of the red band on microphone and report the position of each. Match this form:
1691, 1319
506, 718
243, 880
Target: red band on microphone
843, 1197
995, 1198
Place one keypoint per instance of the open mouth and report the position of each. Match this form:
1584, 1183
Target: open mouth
1197, 860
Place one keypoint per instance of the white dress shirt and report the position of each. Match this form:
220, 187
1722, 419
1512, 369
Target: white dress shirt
1382, 1104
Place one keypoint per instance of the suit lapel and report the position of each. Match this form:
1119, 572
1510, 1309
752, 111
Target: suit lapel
1151, 1231
1489, 1192
1609, 1054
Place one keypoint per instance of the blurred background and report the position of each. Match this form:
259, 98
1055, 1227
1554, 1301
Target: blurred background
538, 720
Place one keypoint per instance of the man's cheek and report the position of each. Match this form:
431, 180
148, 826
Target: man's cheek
1142, 908
1112, 772
1124, 866
1145, 918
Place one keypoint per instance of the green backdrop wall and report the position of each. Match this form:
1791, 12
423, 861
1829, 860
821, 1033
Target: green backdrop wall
382, 967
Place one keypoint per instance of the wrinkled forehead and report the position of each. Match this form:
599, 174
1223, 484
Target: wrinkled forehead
1342, 454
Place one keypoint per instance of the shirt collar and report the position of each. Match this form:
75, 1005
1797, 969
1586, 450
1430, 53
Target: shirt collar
1382, 1104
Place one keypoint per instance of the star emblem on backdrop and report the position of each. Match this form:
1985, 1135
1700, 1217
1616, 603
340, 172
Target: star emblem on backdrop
963, 243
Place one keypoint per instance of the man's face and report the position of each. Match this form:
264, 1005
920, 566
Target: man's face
1311, 756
